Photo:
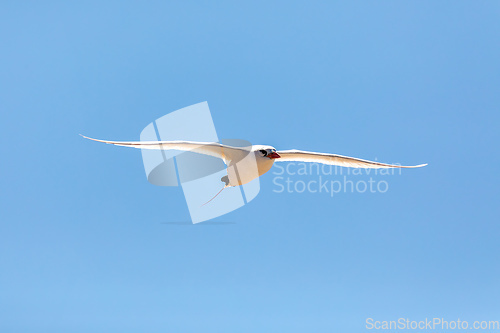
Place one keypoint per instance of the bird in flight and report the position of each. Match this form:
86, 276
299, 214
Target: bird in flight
245, 164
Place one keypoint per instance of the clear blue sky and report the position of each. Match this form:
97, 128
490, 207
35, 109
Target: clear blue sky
84, 245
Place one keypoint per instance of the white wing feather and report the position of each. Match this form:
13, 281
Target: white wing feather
226, 153
332, 159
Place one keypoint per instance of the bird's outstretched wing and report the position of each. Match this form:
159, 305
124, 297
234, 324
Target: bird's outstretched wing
332, 159
225, 152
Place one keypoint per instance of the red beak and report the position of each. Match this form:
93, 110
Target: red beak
274, 155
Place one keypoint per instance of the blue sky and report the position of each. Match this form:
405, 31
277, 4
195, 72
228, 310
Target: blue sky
84, 244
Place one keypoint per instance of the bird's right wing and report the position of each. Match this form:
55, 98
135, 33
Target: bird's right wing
225, 152
332, 159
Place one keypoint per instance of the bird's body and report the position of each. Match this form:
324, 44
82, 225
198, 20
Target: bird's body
253, 165
245, 164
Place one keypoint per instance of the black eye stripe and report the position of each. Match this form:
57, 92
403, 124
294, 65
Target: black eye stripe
263, 152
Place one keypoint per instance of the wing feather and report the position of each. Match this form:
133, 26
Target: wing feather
333, 159
215, 149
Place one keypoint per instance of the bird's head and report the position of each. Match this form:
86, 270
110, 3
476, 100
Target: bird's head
266, 151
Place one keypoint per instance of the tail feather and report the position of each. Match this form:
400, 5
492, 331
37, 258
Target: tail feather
215, 195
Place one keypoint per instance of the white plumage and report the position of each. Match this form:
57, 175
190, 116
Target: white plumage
247, 163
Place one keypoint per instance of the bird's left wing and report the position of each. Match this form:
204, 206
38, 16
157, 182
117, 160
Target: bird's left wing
332, 159
215, 149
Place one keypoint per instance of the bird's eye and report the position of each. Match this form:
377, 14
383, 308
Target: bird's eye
263, 152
